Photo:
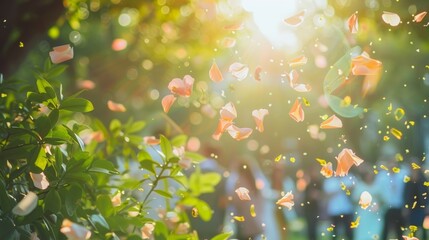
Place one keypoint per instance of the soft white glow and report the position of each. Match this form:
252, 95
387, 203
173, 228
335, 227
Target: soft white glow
269, 15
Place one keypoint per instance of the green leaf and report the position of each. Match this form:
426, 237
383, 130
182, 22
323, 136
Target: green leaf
99, 221
204, 211
148, 165
42, 85
135, 127
55, 141
47, 65
76, 105
83, 178
6, 202
42, 125
104, 205
163, 193
345, 111
55, 71
222, 236
75, 137
103, 166
17, 152
195, 157
53, 201
53, 117
179, 140
166, 147
115, 124
161, 231
38, 160
71, 196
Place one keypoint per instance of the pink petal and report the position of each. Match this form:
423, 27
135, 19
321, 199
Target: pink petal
167, 101
116, 107
61, 54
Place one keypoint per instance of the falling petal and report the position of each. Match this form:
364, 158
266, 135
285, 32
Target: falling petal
243, 193
331, 122
326, 170
26, 205
296, 112
296, 19
364, 65
239, 70
147, 230
116, 200
257, 74
228, 112
228, 42
215, 73
365, 200
298, 61
85, 84
345, 160
182, 87
61, 54
74, 231
353, 24
167, 101
221, 128
258, 116
151, 140
355, 224
39, 180
419, 17
234, 26
119, 44
392, 19
239, 133
115, 107
286, 200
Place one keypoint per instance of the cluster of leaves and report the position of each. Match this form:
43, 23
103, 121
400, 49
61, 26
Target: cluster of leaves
39, 134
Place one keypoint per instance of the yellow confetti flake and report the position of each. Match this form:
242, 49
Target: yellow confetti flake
390, 107
406, 179
292, 160
413, 228
278, 157
426, 184
384, 167
330, 229
399, 157
306, 102
386, 138
252, 210
321, 161
239, 218
396, 170
399, 114
411, 123
343, 186
348, 193
375, 172
324, 117
346, 101
395, 132
414, 205
415, 166
194, 212
21, 44
355, 224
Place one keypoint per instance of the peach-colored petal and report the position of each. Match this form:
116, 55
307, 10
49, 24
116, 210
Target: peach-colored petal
390, 18
167, 101
74, 231
182, 87
409, 238
352, 23
298, 61
419, 17
296, 112
239, 70
228, 112
331, 122
85, 84
182, 228
365, 200
39, 180
259, 115
293, 82
26, 205
286, 200
228, 42
234, 26
116, 107
257, 74
215, 73
151, 140
116, 200
147, 230
221, 128
34, 236
345, 160
239, 133
364, 65
61, 54
296, 19
243, 193
326, 170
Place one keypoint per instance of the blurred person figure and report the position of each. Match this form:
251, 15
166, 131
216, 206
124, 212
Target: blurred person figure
313, 195
371, 218
391, 196
339, 205
245, 173
416, 201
